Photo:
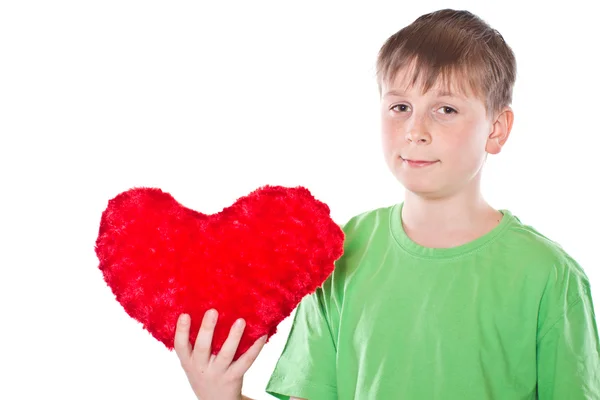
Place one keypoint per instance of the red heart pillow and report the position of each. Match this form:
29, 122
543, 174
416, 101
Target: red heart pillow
254, 260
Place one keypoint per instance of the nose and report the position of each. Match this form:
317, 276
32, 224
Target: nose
417, 132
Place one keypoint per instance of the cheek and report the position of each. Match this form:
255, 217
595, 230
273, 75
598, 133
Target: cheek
388, 136
467, 148
458, 144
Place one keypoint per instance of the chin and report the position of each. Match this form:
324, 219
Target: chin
426, 194
421, 188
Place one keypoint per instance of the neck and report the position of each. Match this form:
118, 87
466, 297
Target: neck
464, 210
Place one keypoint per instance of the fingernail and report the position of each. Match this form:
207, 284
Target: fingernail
184, 319
239, 323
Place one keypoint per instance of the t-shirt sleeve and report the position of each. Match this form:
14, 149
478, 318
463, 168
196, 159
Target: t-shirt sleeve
307, 365
568, 347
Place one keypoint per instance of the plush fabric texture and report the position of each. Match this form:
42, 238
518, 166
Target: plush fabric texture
255, 259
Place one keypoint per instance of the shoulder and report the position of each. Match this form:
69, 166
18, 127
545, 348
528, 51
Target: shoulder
363, 234
363, 225
564, 279
540, 251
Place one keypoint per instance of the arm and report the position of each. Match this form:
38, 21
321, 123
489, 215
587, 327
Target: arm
568, 349
306, 368
307, 364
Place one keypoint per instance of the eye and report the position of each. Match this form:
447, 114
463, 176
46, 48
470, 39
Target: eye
448, 110
401, 107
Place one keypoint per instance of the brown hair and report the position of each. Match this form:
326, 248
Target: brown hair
455, 44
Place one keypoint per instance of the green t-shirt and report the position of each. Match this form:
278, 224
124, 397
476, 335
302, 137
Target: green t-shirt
506, 316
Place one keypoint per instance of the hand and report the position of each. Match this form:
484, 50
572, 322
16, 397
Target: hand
214, 377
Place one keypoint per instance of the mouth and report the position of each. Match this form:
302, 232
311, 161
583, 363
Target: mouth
418, 163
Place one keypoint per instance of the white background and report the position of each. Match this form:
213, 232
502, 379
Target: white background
209, 102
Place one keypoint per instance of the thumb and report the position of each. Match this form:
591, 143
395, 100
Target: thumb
245, 361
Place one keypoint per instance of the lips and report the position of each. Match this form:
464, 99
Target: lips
418, 163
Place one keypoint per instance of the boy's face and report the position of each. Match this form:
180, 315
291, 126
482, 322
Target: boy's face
436, 143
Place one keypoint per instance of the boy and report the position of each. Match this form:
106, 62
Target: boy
441, 296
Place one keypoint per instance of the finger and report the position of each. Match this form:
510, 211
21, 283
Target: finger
203, 344
182, 345
243, 364
230, 346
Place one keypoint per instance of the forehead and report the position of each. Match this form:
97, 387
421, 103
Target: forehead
448, 82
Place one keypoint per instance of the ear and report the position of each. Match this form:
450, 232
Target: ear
500, 131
